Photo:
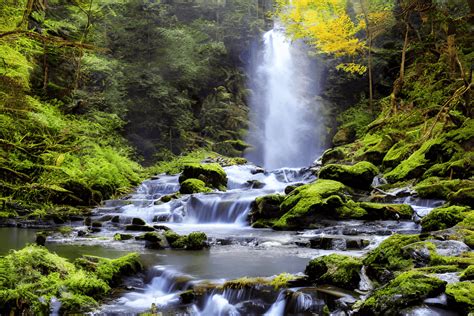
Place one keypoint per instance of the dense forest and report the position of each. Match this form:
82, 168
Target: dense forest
97, 96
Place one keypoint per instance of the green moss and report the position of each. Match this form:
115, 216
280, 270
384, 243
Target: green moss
463, 196
171, 236
468, 221
375, 153
122, 237
435, 188
467, 274
457, 167
443, 217
359, 175
33, 276
176, 164
246, 282
414, 166
462, 293
266, 207
335, 269
397, 153
191, 186
387, 211
389, 254
196, 241
407, 289
333, 155
309, 201
211, 174
439, 269
282, 280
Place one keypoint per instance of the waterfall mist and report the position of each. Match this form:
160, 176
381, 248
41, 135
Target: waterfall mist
286, 127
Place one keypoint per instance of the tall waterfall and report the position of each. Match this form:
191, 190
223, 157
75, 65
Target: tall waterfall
285, 131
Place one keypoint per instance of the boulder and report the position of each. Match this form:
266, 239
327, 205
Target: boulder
461, 296
335, 269
191, 186
138, 221
153, 240
211, 174
358, 176
266, 207
143, 228
443, 217
407, 289
377, 211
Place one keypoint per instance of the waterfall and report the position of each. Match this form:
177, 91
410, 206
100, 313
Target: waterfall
285, 130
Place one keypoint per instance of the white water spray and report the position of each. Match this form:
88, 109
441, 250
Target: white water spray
285, 130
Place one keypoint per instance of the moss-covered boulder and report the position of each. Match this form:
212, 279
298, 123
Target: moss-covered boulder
30, 277
193, 241
443, 217
122, 237
396, 154
266, 207
436, 188
153, 240
333, 155
322, 199
387, 211
336, 269
190, 186
389, 256
407, 289
464, 196
461, 295
358, 176
467, 274
344, 135
211, 174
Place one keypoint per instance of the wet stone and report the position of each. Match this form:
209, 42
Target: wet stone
138, 221
139, 228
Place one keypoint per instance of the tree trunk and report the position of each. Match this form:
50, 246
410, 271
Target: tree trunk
398, 84
369, 55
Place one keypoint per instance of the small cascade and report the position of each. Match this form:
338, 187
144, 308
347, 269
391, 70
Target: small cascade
278, 308
365, 283
217, 305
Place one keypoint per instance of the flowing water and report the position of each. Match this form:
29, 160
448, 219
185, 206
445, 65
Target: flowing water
285, 130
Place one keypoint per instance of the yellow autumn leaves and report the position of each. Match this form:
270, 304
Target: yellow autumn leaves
327, 25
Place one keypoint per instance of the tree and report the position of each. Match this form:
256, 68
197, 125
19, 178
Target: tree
328, 26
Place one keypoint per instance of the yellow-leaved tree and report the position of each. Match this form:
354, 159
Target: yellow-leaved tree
331, 29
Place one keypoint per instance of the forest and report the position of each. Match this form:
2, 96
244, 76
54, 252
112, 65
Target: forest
236, 157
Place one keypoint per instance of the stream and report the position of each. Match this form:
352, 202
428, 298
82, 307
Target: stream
236, 249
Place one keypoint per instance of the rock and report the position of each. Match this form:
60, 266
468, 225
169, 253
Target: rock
266, 207
467, 274
450, 248
421, 253
193, 241
169, 197
211, 174
190, 186
358, 176
87, 221
115, 219
81, 233
153, 240
41, 238
138, 221
463, 196
161, 227
96, 224
435, 188
461, 296
443, 217
407, 289
323, 199
332, 155
344, 135
389, 256
257, 170
335, 269
339, 243
121, 237
255, 184
144, 228
290, 188
387, 211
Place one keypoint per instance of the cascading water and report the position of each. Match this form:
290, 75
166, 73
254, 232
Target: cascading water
285, 131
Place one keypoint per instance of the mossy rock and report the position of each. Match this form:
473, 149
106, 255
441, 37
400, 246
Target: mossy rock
467, 274
463, 196
138, 221
211, 174
407, 289
461, 295
333, 155
33, 273
122, 237
193, 241
377, 152
387, 211
456, 168
389, 257
436, 188
336, 269
322, 199
344, 135
443, 217
397, 153
266, 207
191, 186
358, 176
153, 240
